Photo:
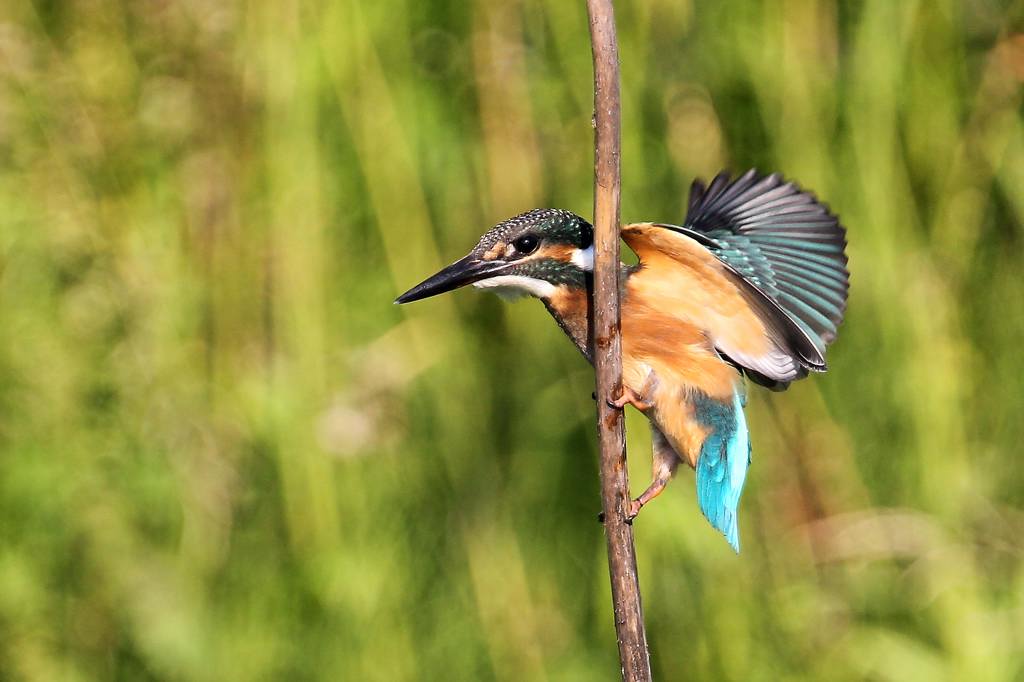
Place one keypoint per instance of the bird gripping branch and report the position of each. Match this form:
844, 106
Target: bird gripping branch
754, 282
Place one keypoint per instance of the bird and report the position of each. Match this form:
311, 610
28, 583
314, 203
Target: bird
753, 285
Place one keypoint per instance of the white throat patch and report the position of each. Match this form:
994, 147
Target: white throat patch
510, 287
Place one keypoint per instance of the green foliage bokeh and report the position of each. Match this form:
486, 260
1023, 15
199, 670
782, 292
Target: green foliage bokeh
225, 455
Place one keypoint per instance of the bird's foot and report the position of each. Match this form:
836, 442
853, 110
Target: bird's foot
630, 397
656, 488
632, 509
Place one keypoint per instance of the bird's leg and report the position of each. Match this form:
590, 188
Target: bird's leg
665, 458
664, 467
631, 397
653, 490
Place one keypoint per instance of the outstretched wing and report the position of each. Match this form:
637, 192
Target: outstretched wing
771, 245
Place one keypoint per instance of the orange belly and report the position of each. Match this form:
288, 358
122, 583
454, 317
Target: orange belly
667, 362
666, 359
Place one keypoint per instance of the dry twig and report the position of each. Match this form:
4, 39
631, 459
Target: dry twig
607, 346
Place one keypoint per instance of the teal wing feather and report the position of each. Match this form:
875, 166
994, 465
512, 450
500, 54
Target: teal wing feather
787, 249
722, 464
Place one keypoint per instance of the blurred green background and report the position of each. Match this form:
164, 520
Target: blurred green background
225, 455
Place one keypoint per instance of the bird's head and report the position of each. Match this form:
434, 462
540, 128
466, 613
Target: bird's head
533, 253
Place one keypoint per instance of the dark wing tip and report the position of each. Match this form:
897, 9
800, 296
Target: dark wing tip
787, 245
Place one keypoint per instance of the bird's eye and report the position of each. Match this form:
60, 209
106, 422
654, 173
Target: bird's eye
526, 244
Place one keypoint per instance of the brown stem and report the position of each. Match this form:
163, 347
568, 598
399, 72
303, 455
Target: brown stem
607, 347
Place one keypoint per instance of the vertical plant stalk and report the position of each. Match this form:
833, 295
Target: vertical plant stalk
607, 346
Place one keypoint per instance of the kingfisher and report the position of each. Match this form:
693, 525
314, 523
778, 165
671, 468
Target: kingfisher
753, 284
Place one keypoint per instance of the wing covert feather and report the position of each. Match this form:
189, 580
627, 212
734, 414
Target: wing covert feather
759, 264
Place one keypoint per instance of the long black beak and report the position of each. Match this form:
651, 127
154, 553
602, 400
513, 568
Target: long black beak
460, 273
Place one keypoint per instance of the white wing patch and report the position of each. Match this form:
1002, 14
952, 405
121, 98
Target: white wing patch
777, 364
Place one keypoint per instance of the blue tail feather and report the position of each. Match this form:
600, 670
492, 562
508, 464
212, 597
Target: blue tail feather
722, 465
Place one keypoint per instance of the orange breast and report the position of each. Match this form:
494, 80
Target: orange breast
679, 353
666, 359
